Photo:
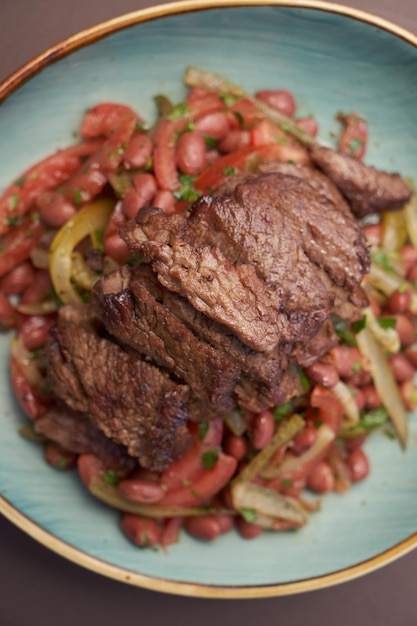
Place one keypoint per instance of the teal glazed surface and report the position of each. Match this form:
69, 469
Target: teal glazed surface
332, 63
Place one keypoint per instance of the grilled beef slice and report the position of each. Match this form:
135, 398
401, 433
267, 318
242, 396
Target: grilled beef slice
136, 317
77, 433
367, 189
131, 401
264, 260
136, 309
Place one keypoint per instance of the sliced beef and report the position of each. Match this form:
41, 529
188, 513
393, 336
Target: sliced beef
77, 433
367, 189
262, 260
131, 401
220, 370
132, 313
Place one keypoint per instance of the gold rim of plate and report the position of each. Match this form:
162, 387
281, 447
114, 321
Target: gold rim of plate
50, 541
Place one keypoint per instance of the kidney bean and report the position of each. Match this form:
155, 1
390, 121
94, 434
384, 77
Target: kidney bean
412, 274
7, 313
145, 185
24, 393
205, 527
54, 209
226, 522
262, 429
164, 200
142, 531
171, 531
304, 439
408, 391
355, 443
58, 457
354, 136
16, 281
215, 125
375, 306
89, 467
399, 300
323, 373
358, 396
358, 465
138, 151
236, 446
140, 491
40, 286
411, 353
278, 99
371, 397
234, 140
321, 478
309, 125
401, 367
373, 233
347, 360
191, 153
409, 257
248, 530
34, 331
116, 248
406, 330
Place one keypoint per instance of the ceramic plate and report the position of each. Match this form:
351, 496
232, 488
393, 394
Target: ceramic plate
333, 59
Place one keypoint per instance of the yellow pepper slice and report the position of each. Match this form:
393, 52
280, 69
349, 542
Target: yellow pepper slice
91, 218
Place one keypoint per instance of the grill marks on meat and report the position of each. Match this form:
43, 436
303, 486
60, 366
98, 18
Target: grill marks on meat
265, 252
136, 309
130, 401
133, 313
367, 189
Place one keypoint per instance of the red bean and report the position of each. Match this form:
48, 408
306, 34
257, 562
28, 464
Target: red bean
58, 457
262, 429
34, 331
321, 478
355, 443
371, 397
304, 439
409, 257
40, 286
323, 373
408, 392
204, 527
309, 125
191, 153
278, 99
142, 531
412, 274
406, 330
411, 354
215, 125
171, 531
226, 522
7, 313
164, 200
401, 367
354, 136
20, 277
236, 446
116, 248
234, 140
248, 530
138, 151
373, 233
358, 396
399, 300
89, 467
358, 465
347, 360
140, 491
140, 195
54, 209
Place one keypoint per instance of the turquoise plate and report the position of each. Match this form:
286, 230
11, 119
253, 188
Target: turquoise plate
334, 59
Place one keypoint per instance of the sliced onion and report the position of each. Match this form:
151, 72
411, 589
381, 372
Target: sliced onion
268, 505
384, 382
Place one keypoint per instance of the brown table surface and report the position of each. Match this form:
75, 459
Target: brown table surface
40, 588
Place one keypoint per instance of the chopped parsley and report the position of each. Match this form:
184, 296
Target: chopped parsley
381, 258
342, 331
210, 457
187, 191
249, 515
178, 111
14, 201
110, 477
229, 170
355, 145
229, 100
202, 430
386, 322
359, 324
